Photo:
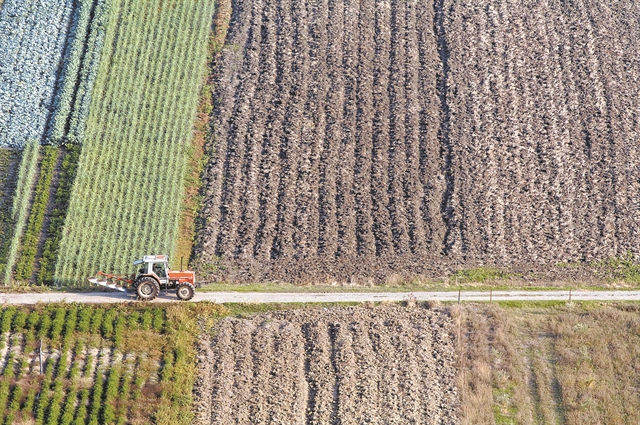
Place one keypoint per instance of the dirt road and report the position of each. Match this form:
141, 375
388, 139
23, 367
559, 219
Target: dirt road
310, 297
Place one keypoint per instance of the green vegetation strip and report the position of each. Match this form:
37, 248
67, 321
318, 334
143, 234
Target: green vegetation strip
128, 190
25, 264
59, 214
102, 365
19, 211
8, 160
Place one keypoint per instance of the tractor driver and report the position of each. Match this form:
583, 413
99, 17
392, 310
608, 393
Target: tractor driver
158, 269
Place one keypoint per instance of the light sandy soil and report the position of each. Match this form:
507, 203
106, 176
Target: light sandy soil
383, 365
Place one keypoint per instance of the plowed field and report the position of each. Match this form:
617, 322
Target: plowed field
365, 139
345, 365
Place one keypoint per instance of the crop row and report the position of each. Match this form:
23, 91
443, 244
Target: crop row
137, 137
31, 47
9, 166
29, 246
58, 216
81, 62
21, 198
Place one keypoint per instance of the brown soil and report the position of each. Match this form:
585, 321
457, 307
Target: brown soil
369, 138
384, 365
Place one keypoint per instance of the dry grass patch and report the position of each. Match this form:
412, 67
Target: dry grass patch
546, 364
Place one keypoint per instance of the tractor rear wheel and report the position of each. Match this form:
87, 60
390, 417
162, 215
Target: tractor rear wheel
147, 289
185, 291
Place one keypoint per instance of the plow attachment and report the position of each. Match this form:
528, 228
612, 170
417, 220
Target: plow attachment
118, 282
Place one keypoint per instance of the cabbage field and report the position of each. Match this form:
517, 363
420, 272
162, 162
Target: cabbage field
34, 33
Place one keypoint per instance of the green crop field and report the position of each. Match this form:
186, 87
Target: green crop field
78, 364
129, 185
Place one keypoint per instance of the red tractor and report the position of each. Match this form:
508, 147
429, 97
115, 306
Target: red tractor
152, 275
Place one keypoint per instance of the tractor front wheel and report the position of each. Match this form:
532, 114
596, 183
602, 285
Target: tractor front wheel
147, 289
185, 291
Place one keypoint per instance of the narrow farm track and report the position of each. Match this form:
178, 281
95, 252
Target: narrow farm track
363, 142
329, 297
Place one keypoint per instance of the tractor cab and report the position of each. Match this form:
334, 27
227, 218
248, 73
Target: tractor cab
156, 266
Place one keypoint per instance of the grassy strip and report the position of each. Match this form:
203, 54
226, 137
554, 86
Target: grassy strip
25, 264
19, 210
529, 362
54, 233
176, 401
436, 286
202, 133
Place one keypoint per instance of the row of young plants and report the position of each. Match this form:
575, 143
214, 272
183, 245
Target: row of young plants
81, 61
31, 199
29, 245
77, 386
138, 134
20, 206
48, 259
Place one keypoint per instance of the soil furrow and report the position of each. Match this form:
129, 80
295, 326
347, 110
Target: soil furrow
275, 141
364, 133
432, 175
390, 393
308, 215
256, 132
328, 225
451, 236
345, 201
228, 79
345, 373
367, 396
413, 189
397, 133
262, 350
380, 151
243, 364
221, 374
290, 150
237, 139
322, 375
